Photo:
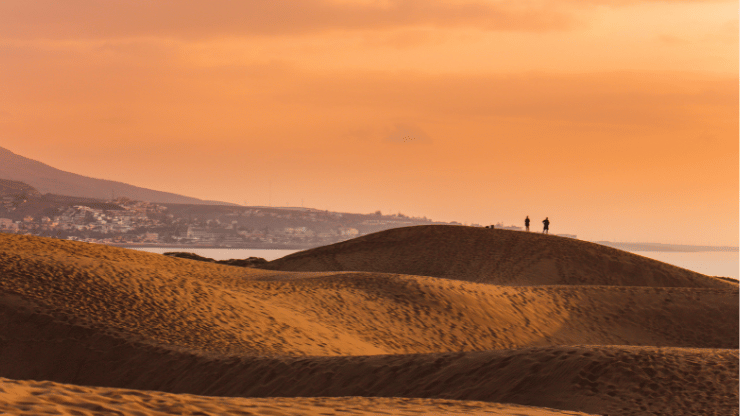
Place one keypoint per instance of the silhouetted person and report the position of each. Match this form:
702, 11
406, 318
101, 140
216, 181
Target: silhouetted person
547, 226
526, 222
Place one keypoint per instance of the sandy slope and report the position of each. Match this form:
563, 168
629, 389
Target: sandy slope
593, 379
221, 309
500, 257
35, 398
94, 315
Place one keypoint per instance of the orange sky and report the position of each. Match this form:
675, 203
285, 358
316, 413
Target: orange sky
618, 119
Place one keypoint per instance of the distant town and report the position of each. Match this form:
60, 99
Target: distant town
124, 221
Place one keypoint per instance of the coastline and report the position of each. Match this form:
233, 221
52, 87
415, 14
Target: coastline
675, 248
198, 246
631, 247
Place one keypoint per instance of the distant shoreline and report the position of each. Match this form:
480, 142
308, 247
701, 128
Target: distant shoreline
192, 246
667, 247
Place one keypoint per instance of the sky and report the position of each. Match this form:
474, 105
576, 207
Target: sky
617, 119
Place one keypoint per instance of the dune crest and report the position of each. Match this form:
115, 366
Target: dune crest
501, 257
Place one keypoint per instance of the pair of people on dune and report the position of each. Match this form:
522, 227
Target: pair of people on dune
546, 222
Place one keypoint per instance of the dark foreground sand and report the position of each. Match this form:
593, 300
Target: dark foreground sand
33, 398
90, 315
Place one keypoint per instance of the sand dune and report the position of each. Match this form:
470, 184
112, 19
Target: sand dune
101, 316
30, 398
500, 257
592, 379
227, 310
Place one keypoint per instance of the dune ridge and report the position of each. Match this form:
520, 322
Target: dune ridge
501, 257
92, 315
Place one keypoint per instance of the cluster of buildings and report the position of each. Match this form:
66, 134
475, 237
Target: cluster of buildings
231, 235
125, 221
9, 203
81, 219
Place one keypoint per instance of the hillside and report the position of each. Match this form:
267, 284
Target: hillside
124, 221
499, 257
51, 180
17, 189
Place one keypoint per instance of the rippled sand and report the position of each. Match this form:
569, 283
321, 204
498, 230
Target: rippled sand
91, 315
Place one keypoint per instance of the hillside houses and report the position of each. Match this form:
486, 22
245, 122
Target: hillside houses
126, 221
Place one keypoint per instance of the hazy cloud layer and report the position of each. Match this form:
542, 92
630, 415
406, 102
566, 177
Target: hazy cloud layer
195, 19
280, 100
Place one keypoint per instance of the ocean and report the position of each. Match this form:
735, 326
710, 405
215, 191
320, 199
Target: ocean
712, 263
223, 253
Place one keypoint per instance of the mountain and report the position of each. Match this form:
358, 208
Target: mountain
47, 179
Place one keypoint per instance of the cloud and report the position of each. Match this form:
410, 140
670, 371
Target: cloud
200, 19
197, 19
650, 100
407, 133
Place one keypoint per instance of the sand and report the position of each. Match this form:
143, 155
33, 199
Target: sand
502, 257
33, 398
91, 315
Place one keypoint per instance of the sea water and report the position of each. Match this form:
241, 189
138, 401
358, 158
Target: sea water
223, 253
711, 263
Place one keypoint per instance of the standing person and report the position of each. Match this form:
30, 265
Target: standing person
547, 226
526, 222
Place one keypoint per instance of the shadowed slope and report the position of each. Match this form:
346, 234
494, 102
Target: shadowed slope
594, 379
500, 257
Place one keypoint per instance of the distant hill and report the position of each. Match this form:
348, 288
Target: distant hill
499, 257
17, 189
47, 179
